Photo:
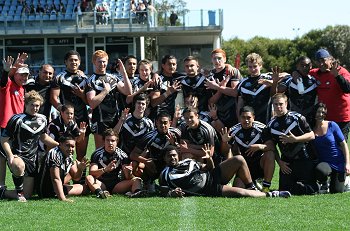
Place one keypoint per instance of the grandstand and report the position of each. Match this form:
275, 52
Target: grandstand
47, 35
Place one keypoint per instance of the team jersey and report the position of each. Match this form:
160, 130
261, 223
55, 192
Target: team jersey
11, 99
301, 102
54, 159
203, 134
227, 105
108, 109
296, 124
256, 95
202, 115
122, 98
244, 138
188, 176
102, 158
168, 104
195, 85
156, 142
66, 82
57, 128
132, 131
44, 91
24, 132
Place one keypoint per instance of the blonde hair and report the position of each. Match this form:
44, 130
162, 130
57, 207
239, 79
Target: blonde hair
33, 96
279, 96
99, 54
254, 57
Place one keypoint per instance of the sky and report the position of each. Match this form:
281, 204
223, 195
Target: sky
273, 19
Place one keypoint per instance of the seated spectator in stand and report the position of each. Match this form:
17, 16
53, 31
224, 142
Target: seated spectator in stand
59, 162
173, 18
332, 152
246, 138
40, 9
141, 12
189, 177
107, 163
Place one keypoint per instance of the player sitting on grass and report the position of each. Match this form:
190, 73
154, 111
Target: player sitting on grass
59, 162
189, 177
106, 164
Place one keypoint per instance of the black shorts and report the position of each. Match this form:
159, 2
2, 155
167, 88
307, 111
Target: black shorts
100, 127
255, 169
30, 167
110, 184
215, 187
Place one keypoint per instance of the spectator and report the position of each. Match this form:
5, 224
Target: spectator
151, 12
173, 18
141, 12
333, 89
332, 152
79, 11
11, 100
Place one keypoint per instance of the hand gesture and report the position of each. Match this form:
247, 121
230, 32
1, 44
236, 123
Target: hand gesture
111, 166
253, 148
225, 135
171, 138
288, 138
146, 86
106, 86
207, 149
212, 84
21, 58
266, 82
177, 113
335, 69
76, 90
7, 63
85, 162
175, 87
284, 167
176, 193
183, 146
82, 127
213, 111
124, 114
276, 74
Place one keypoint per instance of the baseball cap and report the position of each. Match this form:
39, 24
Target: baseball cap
322, 54
22, 70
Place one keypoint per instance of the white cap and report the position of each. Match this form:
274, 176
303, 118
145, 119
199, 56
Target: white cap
22, 70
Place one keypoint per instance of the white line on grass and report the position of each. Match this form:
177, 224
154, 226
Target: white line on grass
188, 214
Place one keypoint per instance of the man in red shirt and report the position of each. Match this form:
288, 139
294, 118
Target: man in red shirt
11, 99
333, 89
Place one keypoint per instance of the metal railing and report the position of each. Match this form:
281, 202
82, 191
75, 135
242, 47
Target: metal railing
125, 21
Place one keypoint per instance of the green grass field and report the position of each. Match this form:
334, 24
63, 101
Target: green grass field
321, 212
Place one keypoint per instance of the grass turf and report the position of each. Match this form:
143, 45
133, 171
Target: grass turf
321, 212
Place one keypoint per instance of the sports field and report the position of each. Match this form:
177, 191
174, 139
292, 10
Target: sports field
321, 212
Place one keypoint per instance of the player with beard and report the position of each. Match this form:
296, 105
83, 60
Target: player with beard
42, 84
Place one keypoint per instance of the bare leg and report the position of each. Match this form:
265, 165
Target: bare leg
267, 163
76, 189
2, 170
228, 191
98, 140
235, 165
